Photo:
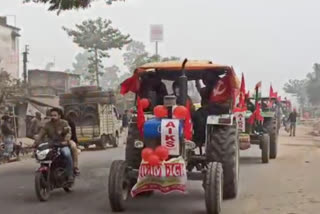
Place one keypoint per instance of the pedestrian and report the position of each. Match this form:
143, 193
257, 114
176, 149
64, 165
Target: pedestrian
292, 121
35, 125
125, 124
8, 136
72, 125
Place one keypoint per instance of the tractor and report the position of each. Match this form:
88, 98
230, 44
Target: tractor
215, 161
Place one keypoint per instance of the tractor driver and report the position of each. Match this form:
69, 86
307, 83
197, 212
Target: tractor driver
176, 92
199, 118
153, 88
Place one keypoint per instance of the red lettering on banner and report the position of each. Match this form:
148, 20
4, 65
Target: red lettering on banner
170, 130
168, 170
170, 137
170, 124
170, 144
156, 171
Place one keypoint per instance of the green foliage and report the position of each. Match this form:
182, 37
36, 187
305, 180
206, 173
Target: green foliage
313, 86
62, 5
110, 78
298, 89
136, 55
306, 90
81, 64
97, 37
8, 86
49, 66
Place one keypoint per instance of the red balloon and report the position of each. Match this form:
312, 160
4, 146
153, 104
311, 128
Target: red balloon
144, 103
162, 152
160, 111
146, 153
180, 112
154, 160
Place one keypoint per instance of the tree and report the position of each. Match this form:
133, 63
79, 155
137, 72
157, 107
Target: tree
172, 58
298, 89
8, 86
97, 37
49, 66
110, 78
135, 55
313, 85
81, 64
62, 5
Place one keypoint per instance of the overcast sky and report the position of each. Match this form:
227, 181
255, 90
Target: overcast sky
268, 40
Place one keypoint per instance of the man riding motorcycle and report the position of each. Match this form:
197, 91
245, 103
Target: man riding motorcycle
58, 130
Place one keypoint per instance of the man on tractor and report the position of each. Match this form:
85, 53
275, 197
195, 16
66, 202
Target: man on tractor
176, 92
153, 88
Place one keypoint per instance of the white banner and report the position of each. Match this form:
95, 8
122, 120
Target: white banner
170, 135
169, 176
31, 111
241, 120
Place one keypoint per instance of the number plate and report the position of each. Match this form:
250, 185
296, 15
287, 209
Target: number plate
224, 119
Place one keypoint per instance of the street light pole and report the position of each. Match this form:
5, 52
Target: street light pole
25, 61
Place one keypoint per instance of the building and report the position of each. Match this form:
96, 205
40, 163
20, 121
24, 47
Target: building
9, 48
51, 83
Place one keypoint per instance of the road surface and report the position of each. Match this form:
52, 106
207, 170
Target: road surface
287, 185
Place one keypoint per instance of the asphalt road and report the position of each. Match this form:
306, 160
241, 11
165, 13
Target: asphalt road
287, 185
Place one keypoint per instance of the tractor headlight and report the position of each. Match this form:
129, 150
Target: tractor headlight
190, 145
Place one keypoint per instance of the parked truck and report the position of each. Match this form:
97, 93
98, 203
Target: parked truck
95, 115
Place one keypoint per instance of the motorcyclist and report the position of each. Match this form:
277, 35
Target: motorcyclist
58, 130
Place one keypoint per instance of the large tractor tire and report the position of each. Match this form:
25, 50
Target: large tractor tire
271, 127
265, 148
133, 155
213, 184
223, 147
118, 186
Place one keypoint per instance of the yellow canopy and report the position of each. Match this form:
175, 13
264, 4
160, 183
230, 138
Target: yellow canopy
192, 65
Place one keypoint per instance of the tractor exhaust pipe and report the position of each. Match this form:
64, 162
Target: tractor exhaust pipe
183, 83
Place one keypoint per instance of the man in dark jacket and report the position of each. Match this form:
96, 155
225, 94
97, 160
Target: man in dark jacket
293, 120
125, 124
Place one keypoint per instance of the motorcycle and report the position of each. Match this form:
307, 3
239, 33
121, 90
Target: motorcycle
52, 172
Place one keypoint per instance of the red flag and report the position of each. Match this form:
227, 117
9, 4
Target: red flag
273, 94
279, 98
248, 95
271, 91
242, 93
226, 88
131, 84
256, 115
140, 117
258, 85
187, 123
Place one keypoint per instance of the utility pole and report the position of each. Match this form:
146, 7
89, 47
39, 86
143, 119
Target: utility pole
25, 61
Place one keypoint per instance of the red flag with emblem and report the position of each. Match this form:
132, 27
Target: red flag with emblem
226, 88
